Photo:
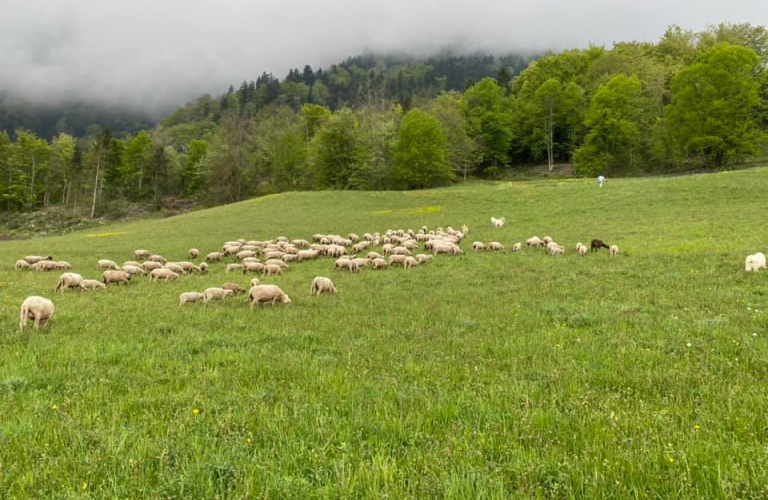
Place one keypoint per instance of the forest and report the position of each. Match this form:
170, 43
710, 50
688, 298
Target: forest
690, 100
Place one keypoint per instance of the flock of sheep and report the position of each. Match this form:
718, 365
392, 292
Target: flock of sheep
273, 257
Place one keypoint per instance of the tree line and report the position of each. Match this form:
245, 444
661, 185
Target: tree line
691, 99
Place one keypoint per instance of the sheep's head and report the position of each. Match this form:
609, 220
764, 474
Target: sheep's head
285, 299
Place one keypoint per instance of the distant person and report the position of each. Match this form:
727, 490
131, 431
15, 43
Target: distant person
600, 180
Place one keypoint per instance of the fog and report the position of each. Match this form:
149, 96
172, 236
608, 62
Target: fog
151, 55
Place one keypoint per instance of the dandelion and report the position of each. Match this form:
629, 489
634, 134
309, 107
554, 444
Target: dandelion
754, 335
696, 427
54, 407
688, 344
195, 411
84, 486
249, 440
671, 460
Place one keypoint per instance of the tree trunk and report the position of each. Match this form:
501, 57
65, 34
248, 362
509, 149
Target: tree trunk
96, 187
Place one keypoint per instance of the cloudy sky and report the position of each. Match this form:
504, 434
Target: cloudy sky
152, 54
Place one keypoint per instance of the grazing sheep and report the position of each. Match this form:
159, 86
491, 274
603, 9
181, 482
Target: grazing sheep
373, 255
203, 268
516, 247
478, 245
133, 270
361, 262
277, 262
582, 250
215, 293
289, 257
157, 258
534, 241
597, 245
44, 265
379, 263
151, 266
450, 249
266, 293
498, 223
141, 254
322, 285
464, 228
253, 267
214, 257
188, 267
556, 250
68, 280
38, 308
175, 268
34, 259
495, 245
245, 253
422, 258
132, 263
401, 251
162, 274
22, 264
755, 262
271, 269
410, 262
107, 264
193, 253
397, 259
307, 254
62, 264
116, 277
188, 297
234, 287
547, 240
92, 285
254, 282
579, 244
614, 250
347, 264
233, 267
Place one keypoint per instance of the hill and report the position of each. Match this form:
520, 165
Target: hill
489, 375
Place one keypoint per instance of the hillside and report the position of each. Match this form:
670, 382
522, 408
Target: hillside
489, 375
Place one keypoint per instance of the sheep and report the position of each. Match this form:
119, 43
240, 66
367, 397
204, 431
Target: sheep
300, 243
579, 244
162, 274
547, 240
234, 287
38, 308
289, 258
131, 263
347, 264
322, 285
271, 269
22, 264
92, 285
410, 262
274, 255
422, 258
215, 293
401, 251
175, 268
495, 245
498, 223
379, 263
62, 264
253, 267
214, 257
68, 280
203, 268
556, 250
614, 250
157, 258
188, 297
582, 250
267, 293
107, 264
373, 255
141, 254
478, 245
755, 262
34, 259
464, 228
387, 248
151, 266
448, 248
188, 267
230, 249
193, 253
44, 265
133, 270
233, 267
361, 262
553, 244
254, 282
244, 253
397, 259
533, 241
597, 245
516, 247
307, 254
277, 262
116, 277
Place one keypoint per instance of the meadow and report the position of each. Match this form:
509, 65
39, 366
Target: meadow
483, 376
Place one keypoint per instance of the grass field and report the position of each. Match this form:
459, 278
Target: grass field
485, 376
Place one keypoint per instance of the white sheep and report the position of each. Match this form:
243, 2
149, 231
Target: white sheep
266, 293
34, 259
233, 267
322, 285
151, 266
162, 274
157, 258
254, 282
234, 287
193, 253
271, 269
478, 245
203, 268
495, 245
44, 265
188, 297
534, 241
108, 264
214, 257
379, 263
583, 250
556, 250
141, 254
116, 277
422, 258
215, 293
410, 262
516, 247
547, 240
92, 285
498, 223
614, 250
133, 270
755, 262
68, 280
62, 264
22, 264
38, 308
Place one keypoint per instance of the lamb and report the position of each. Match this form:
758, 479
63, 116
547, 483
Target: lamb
254, 282
533, 241
174, 267
289, 257
68, 280
387, 248
271, 269
397, 259
267, 293
44, 265
597, 245
116, 277
373, 255
188, 267
38, 308
141, 254
162, 274
22, 264
556, 250
496, 246
422, 258
464, 228
107, 264
233, 267
188, 297
307, 254
62, 264
410, 262
347, 264
274, 255
448, 248
401, 251
157, 258
516, 247
277, 262
132, 263
234, 287
478, 245
322, 285
614, 250
193, 253
253, 267
92, 285
245, 253
379, 263
582, 250
547, 240
34, 259
498, 223
215, 293
203, 268
133, 270
151, 266
214, 257
755, 262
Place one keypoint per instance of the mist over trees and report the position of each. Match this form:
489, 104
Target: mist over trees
689, 100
